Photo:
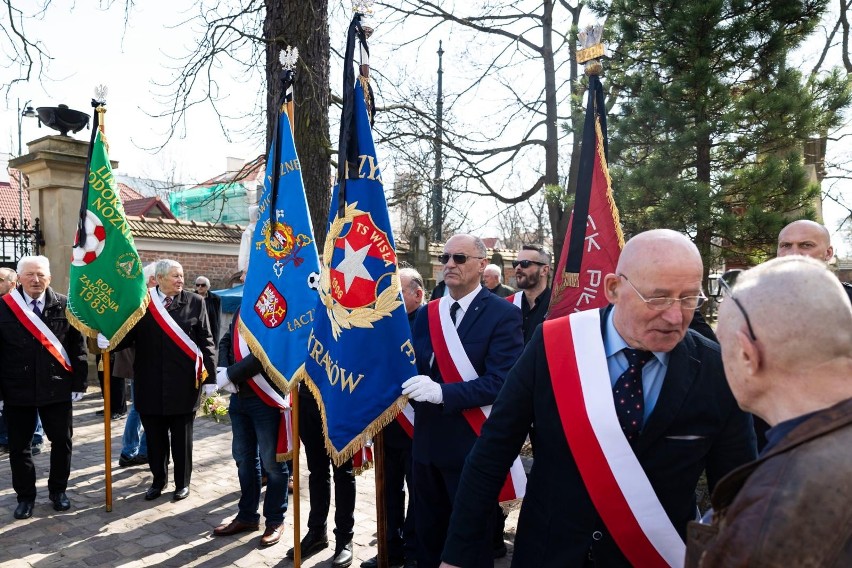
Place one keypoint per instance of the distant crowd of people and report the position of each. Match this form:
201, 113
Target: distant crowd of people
626, 408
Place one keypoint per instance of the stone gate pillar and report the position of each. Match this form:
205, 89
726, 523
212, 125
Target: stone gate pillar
56, 166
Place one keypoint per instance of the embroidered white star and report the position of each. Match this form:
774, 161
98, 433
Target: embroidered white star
352, 265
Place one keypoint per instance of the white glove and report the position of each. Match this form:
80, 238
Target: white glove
208, 390
223, 382
76, 396
423, 389
103, 342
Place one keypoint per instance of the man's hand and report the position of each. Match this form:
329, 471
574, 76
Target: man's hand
103, 342
76, 396
423, 389
208, 389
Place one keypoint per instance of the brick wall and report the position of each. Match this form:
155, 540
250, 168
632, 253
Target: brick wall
219, 268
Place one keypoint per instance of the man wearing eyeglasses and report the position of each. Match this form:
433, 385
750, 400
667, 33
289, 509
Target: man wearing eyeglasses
465, 344
532, 269
786, 339
629, 407
213, 303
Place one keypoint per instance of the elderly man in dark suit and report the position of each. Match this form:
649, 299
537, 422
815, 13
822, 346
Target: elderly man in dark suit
213, 303
173, 348
37, 381
629, 408
488, 329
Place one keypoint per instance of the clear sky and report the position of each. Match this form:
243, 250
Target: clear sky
91, 46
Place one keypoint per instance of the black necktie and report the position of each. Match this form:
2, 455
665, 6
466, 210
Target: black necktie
454, 309
36, 309
628, 395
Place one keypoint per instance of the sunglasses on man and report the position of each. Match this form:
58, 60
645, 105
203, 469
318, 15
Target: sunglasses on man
200, 285
526, 263
458, 258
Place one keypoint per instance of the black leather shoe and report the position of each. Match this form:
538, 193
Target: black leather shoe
153, 493
393, 562
60, 501
313, 542
342, 556
181, 494
24, 510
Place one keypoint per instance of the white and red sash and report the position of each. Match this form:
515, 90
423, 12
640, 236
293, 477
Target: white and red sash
268, 395
515, 298
406, 419
455, 366
37, 328
613, 476
176, 334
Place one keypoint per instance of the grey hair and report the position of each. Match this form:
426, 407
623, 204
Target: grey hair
42, 261
203, 280
165, 266
8, 273
414, 276
480, 246
493, 268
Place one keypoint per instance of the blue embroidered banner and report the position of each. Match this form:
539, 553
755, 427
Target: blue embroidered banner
360, 350
280, 296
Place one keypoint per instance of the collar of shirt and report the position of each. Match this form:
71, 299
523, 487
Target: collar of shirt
653, 373
161, 295
40, 300
464, 303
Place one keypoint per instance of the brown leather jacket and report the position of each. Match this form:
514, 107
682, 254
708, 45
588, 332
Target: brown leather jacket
790, 507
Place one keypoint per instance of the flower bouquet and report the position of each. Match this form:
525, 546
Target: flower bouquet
216, 407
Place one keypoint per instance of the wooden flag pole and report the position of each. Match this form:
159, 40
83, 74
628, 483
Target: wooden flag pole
297, 542
107, 430
381, 510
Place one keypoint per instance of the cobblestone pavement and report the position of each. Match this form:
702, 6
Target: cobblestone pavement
162, 532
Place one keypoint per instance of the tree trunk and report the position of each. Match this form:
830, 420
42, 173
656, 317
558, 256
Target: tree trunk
304, 25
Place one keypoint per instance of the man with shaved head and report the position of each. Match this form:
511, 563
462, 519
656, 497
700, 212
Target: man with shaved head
808, 238
629, 407
786, 336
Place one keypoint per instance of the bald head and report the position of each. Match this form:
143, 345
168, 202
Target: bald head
659, 247
798, 310
807, 238
800, 357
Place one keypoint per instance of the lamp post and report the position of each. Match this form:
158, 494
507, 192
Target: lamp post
29, 112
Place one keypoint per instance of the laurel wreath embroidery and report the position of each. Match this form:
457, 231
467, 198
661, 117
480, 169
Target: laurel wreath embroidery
342, 318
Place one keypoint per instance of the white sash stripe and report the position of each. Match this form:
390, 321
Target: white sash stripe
42, 327
516, 298
628, 473
157, 304
258, 379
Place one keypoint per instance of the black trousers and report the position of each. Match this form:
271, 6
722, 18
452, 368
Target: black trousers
319, 479
57, 422
434, 492
159, 430
117, 400
400, 519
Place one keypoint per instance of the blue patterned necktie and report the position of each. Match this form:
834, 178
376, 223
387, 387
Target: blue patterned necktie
628, 395
36, 309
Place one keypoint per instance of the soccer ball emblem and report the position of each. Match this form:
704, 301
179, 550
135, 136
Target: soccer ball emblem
313, 280
95, 241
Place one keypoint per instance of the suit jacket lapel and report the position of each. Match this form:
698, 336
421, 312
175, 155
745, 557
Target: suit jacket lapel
682, 371
477, 306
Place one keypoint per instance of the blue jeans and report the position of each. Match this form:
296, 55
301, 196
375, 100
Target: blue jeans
255, 435
132, 443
